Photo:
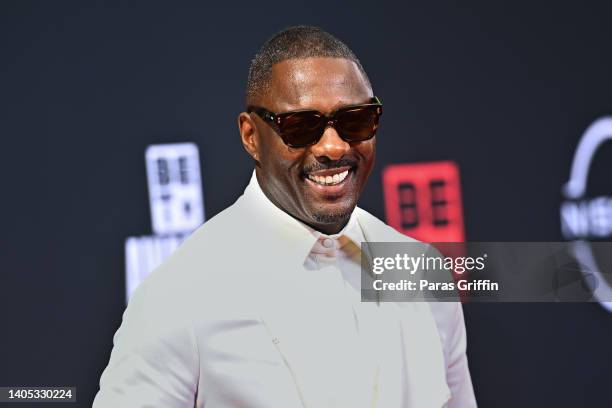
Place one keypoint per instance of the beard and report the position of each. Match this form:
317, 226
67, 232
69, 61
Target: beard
332, 218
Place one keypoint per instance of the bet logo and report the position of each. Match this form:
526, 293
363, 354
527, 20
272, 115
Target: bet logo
423, 200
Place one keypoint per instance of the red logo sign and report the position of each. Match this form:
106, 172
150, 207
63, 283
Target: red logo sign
423, 200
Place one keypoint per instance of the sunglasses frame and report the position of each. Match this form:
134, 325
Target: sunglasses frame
276, 119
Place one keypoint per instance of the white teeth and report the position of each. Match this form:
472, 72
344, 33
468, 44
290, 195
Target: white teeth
329, 180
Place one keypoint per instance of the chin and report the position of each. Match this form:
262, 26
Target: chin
333, 213
331, 217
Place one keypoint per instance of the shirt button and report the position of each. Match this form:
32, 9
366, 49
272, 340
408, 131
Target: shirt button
328, 243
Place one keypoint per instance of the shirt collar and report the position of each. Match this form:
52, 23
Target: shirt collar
293, 232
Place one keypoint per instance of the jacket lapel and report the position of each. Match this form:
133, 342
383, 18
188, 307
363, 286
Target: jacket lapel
423, 354
317, 339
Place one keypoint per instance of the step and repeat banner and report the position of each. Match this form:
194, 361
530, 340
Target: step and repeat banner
120, 140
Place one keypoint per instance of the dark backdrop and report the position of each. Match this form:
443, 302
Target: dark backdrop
503, 88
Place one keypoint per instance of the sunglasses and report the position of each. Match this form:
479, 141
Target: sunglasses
354, 123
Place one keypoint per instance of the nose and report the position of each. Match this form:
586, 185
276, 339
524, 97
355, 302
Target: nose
330, 145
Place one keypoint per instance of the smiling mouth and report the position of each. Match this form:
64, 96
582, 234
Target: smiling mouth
329, 179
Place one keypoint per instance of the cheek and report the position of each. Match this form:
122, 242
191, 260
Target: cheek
367, 151
275, 155
283, 166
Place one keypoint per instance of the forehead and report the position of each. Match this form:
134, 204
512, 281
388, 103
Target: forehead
316, 83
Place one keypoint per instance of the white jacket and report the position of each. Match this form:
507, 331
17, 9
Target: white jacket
222, 324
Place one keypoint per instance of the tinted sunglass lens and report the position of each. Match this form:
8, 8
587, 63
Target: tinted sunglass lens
359, 123
302, 128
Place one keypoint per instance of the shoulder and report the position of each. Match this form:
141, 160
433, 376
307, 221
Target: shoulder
376, 230
204, 262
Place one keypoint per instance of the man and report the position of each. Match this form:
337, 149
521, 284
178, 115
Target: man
260, 307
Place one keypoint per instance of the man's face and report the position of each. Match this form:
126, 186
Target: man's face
286, 174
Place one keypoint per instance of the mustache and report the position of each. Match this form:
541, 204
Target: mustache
330, 165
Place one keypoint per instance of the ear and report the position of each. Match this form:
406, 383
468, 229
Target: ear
248, 134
